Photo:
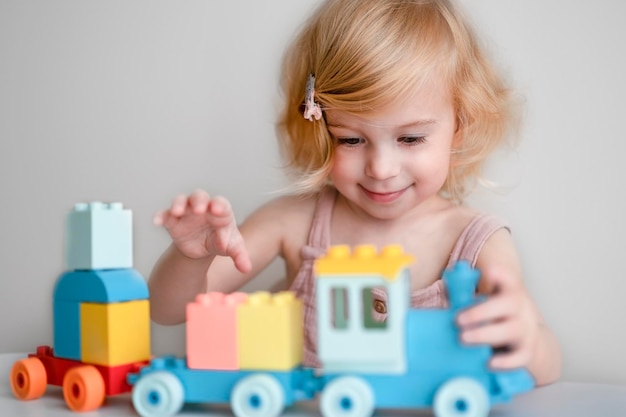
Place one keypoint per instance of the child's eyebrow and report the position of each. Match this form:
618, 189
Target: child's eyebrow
417, 123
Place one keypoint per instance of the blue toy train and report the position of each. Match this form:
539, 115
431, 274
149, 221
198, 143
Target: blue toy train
411, 360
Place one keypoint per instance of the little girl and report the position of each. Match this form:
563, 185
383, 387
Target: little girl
391, 109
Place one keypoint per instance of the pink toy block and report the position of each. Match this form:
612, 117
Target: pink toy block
212, 331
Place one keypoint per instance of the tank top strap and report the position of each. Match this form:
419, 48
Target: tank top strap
474, 236
319, 234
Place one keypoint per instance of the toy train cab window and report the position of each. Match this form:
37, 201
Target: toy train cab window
339, 309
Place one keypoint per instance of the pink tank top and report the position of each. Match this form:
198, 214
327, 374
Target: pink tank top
467, 247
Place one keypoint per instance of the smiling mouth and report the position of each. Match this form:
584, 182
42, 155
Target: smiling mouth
387, 197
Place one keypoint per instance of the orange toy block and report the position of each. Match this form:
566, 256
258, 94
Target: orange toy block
212, 331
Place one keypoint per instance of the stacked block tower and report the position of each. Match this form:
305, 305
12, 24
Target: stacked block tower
101, 318
101, 308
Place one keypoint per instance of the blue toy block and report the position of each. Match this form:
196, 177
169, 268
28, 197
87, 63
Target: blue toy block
99, 236
101, 286
461, 281
66, 329
442, 350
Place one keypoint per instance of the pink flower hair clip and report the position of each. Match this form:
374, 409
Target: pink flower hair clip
311, 107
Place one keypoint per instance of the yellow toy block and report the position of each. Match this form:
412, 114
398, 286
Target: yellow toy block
270, 331
363, 260
115, 334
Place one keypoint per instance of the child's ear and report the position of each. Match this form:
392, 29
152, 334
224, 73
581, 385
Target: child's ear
457, 144
459, 134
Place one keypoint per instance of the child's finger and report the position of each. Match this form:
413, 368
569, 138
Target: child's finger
199, 201
515, 358
495, 308
500, 280
159, 218
168, 220
220, 206
220, 216
242, 260
501, 333
179, 205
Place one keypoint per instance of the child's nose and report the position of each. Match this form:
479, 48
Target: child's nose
382, 164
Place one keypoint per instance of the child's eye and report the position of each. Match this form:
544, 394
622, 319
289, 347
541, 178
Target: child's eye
412, 140
349, 141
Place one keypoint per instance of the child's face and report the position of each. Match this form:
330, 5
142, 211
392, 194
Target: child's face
389, 161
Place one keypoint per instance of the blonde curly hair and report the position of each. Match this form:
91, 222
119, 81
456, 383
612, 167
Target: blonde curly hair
366, 53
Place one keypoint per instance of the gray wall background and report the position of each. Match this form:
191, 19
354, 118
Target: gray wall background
136, 101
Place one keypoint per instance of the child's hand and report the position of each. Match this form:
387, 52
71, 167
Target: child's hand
508, 321
202, 226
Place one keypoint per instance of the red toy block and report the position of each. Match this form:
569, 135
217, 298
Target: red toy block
212, 331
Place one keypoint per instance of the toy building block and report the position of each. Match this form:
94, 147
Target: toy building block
212, 331
101, 286
55, 369
461, 281
444, 347
364, 260
270, 331
116, 333
99, 236
344, 284
66, 329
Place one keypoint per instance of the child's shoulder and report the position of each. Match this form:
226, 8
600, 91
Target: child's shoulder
456, 215
288, 209
288, 218
464, 217
293, 202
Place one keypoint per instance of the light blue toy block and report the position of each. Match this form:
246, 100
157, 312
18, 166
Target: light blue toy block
101, 286
66, 329
99, 236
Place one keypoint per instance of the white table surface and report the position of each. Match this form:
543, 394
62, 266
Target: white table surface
563, 399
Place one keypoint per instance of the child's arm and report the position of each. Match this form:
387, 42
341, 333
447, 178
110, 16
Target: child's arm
509, 317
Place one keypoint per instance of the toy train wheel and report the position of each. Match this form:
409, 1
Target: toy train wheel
347, 397
258, 396
158, 394
83, 388
28, 379
461, 397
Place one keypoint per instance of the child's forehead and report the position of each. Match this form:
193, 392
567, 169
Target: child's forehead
423, 107
338, 119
